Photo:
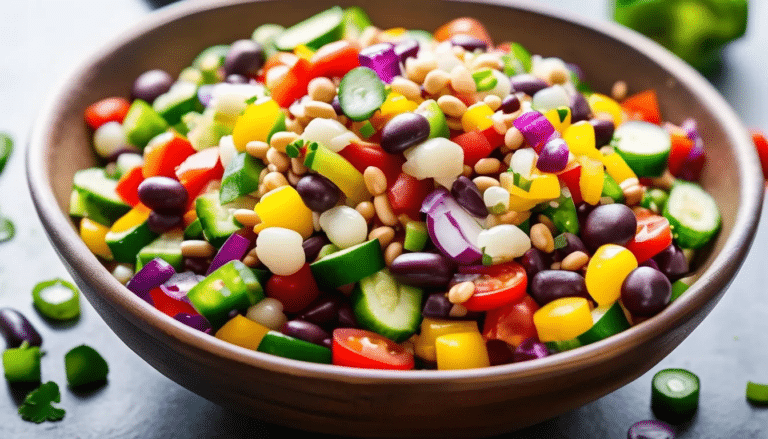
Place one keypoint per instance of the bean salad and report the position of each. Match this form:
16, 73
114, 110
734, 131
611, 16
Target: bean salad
396, 199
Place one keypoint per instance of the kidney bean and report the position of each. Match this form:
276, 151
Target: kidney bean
151, 84
163, 194
197, 265
346, 316
404, 131
534, 261
323, 311
603, 131
245, 57
650, 263
510, 104
609, 224
468, 42
572, 244
437, 306
312, 246
16, 329
337, 106
645, 292
163, 222
579, 108
195, 321
306, 331
423, 270
408, 48
549, 285
467, 194
317, 192
527, 84
529, 349
671, 261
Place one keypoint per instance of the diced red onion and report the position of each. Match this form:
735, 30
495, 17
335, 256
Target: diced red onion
408, 48
194, 321
433, 198
205, 94
536, 129
553, 156
529, 349
691, 128
693, 164
454, 231
153, 274
234, 249
382, 59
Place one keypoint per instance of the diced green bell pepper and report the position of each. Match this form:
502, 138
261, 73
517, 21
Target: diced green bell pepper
282, 345
22, 364
233, 286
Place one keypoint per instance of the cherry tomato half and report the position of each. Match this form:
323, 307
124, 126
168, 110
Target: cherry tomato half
106, 110
653, 235
761, 144
495, 286
512, 323
366, 349
295, 291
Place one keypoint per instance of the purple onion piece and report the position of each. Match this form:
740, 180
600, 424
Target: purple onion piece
691, 128
153, 274
382, 59
529, 349
690, 169
453, 231
603, 131
194, 321
180, 283
553, 156
433, 198
579, 108
466, 193
16, 329
527, 83
337, 106
576, 70
408, 48
234, 249
536, 129
651, 429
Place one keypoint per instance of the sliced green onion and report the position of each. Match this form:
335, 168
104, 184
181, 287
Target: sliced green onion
757, 393
674, 394
57, 299
84, 366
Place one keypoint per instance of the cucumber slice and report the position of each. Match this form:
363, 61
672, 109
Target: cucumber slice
282, 345
644, 146
361, 93
142, 123
674, 395
349, 265
218, 222
241, 177
562, 345
176, 102
692, 214
383, 305
355, 22
438, 126
167, 247
607, 320
125, 243
313, 32
97, 194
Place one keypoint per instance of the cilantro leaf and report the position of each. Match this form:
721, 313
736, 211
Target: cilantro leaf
37, 406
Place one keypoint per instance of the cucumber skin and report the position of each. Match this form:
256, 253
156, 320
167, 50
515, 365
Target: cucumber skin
366, 319
329, 276
684, 236
333, 34
241, 177
644, 165
127, 246
215, 230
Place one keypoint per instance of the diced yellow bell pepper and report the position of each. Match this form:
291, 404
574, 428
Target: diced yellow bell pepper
433, 328
563, 319
396, 104
599, 103
392, 33
283, 207
133, 218
591, 179
580, 138
303, 51
617, 167
544, 187
606, 271
256, 123
560, 118
93, 234
477, 118
242, 332
465, 350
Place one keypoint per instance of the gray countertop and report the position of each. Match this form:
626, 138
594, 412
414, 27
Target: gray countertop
42, 39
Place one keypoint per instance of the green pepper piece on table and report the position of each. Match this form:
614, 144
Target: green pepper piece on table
22, 364
695, 30
84, 366
57, 299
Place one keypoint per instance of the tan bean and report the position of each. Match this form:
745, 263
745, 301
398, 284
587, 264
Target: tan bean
629, 183
274, 76
281, 139
416, 69
404, 219
461, 292
498, 123
461, 80
293, 179
321, 89
458, 311
246, 217
488, 165
454, 124
514, 218
281, 161
293, 126
193, 248
375, 180
384, 210
541, 238
435, 81
406, 87
384, 234
298, 167
492, 101
274, 180
507, 159
369, 36
619, 90
251, 259
393, 250
317, 109
558, 76
367, 210
486, 60
555, 266
467, 171
513, 139
484, 182
257, 149
633, 194
452, 106
575, 261
543, 219
665, 181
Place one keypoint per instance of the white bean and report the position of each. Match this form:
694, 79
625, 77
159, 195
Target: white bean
109, 138
344, 226
496, 199
504, 242
268, 312
280, 250
324, 131
438, 158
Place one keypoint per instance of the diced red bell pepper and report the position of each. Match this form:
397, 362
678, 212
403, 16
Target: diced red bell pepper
475, 145
198, 170
643, 106
571, 176
511, 323
362, 156
761, 144
335, 59
128, 186
169, 305
106, 110
407, 193
163, 158
294, 83
681, 148
493, 136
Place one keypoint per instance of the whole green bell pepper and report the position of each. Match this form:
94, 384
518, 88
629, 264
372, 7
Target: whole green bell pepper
695, 30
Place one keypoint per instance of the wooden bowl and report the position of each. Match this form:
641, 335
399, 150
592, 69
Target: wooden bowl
382, 403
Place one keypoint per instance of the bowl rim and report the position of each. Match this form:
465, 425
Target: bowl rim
715, 279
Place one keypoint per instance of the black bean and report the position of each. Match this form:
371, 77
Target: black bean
245, 57
423, 270
317, 192
197, 265
510, 104
312, 246
645, 292
534, 261
151, 84
609, 224
572, 244
672, 262
404, 131
163, 194
579, 108
408, 48
468, 196
529, 349
549, 285
468, 42
603, 131
527, 84
306, 331
16, 329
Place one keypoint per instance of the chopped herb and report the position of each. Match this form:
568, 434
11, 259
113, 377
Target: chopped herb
37, 406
